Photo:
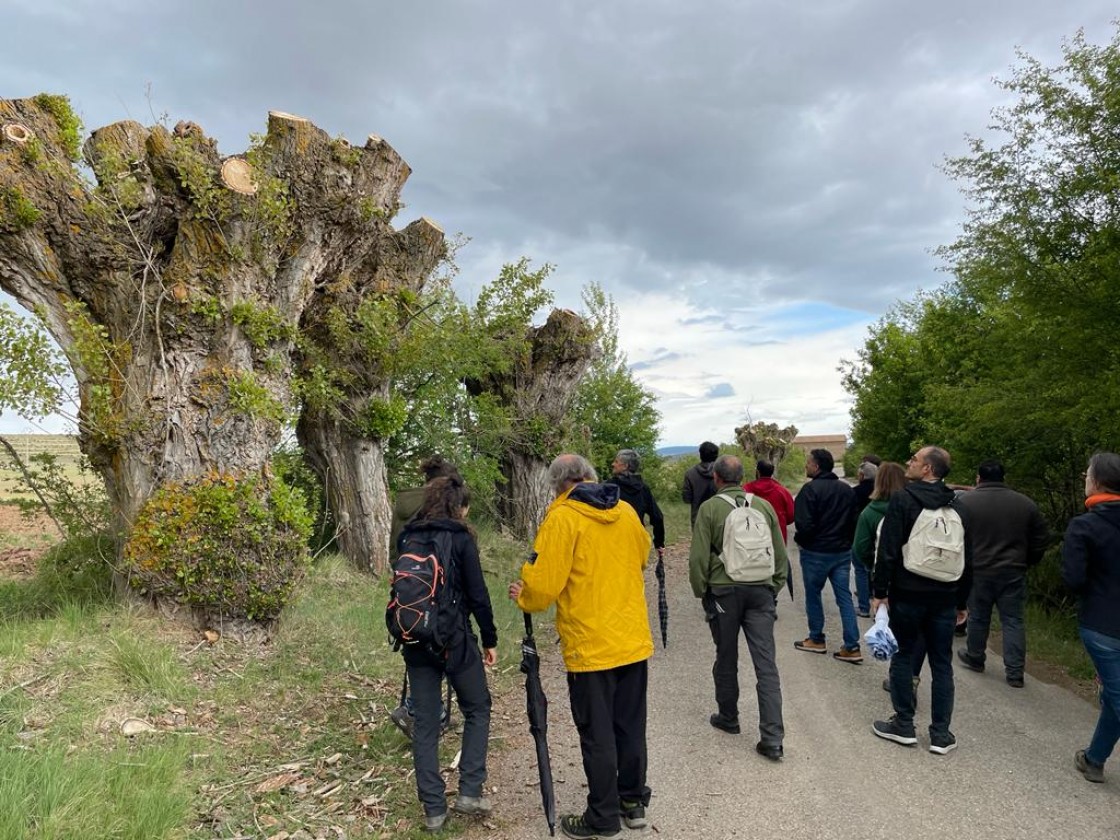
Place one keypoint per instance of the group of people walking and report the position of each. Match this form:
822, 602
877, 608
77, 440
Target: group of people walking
934, 555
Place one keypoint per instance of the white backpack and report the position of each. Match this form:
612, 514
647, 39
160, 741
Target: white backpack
748, 545
935, 548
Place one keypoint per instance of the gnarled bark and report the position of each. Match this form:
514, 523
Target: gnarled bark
538, 389
348, 458
177, 283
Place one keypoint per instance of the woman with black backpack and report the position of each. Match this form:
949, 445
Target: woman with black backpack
440, 528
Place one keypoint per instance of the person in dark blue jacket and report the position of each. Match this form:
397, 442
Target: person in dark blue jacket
1091, 568
441, 522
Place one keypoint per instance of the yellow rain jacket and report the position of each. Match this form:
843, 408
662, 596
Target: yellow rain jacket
588, 558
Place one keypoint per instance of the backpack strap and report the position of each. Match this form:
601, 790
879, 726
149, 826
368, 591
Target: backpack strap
732, 501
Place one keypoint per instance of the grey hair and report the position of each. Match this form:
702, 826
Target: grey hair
570, 467
630, 458
729, 469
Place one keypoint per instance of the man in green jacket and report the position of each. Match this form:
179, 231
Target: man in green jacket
731, 604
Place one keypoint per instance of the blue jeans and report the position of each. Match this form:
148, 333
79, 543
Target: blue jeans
816, 569
911, 622
863, 586
1105, 653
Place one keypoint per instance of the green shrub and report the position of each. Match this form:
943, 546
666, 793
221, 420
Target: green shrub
231, 543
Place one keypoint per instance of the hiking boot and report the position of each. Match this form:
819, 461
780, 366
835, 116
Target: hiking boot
434, 822
730, 726
852, 655
942, 744
774, 752
916, 680
863, 613
633, 814
403, 720
574, 826
810, 646
1014, 682
892, 730
472, 805
1092, 772
971, 664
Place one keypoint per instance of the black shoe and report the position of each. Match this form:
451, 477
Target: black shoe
772, 752
1015, 682
969, 662
942, 744
633, 814
892, 730
724, 725
574, 826
961, 630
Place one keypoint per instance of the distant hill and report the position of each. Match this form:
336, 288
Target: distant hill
675, 451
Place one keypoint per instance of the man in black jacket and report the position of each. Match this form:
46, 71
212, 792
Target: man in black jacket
1008, 536
825, 515
633, 490
920, 605
699, 483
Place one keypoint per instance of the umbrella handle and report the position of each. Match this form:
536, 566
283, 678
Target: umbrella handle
528, 625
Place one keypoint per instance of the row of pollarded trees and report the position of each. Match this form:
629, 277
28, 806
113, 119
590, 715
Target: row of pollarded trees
204, 301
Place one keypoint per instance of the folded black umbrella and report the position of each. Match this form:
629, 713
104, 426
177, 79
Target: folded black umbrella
662, 600
536, 705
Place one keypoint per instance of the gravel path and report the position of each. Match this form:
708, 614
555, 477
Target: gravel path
1012, 776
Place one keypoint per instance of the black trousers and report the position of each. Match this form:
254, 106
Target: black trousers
609, 710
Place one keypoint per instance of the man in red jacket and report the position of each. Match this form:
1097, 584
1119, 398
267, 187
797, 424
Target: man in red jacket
766, 487
772, 491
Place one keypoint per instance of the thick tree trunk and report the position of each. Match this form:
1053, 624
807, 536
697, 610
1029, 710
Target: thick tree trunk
538, 390
177, 285
352, 470
335, 326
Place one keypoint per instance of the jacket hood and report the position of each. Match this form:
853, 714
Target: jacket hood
596, 501
931, 494
631, 481
1109, 510
825, 476
706, 468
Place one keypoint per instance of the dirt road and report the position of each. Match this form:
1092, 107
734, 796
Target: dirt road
1012, 777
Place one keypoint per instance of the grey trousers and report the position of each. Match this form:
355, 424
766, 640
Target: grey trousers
468, 679
1008, 593
750, 608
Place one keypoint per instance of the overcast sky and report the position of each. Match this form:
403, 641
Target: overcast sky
753, 182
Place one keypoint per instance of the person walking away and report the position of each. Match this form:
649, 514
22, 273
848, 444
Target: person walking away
588, 559
1091, 569
698, 484
740, 596
1008, 537
923, 572
862, 493
408, 501
441, 522
634, 492
889, 479
824, 513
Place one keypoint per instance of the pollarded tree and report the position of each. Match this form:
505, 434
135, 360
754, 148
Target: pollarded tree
176, 282
765, 441
612, 410
525, 386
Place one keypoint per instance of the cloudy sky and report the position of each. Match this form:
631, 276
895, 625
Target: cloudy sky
753, 182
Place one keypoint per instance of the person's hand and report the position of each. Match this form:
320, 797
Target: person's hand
962, 616
489, 657
875, 602
515, 589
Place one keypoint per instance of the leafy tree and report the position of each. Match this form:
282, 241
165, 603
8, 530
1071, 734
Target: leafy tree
612, 410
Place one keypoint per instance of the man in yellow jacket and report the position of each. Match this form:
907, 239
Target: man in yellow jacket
588, 559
